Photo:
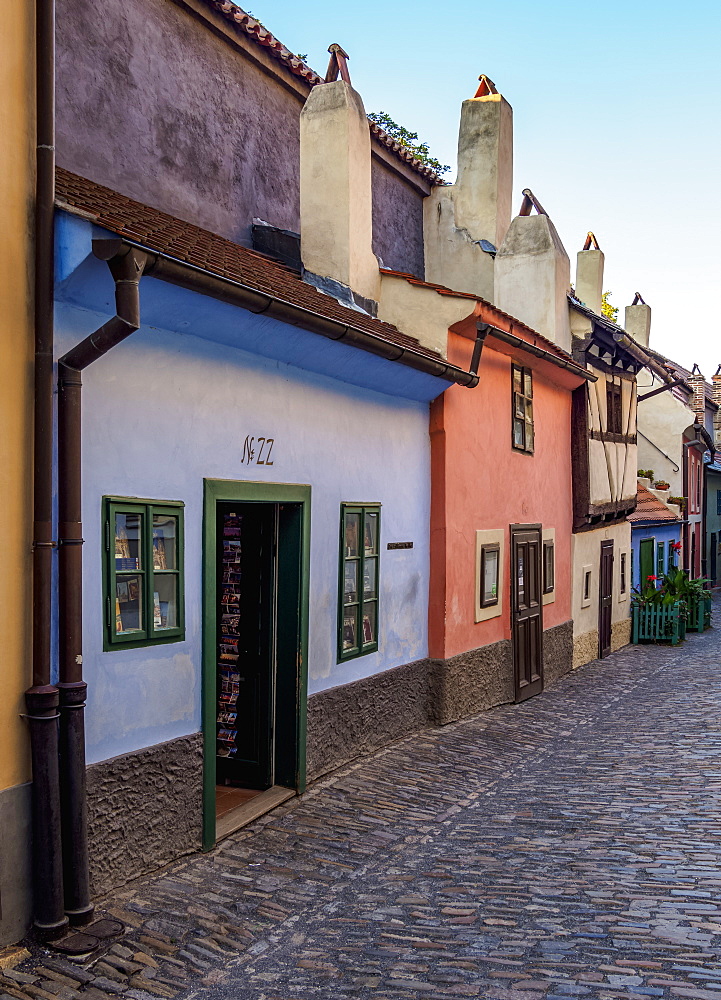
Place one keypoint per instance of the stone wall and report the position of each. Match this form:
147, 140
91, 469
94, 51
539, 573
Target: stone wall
144, 810
620, 634
16, 894
558, 649
355, 719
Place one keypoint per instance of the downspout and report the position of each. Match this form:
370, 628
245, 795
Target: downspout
42, 699
127, 269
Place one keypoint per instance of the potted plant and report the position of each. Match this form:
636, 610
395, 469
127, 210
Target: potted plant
661, 484
680, 502
645, 474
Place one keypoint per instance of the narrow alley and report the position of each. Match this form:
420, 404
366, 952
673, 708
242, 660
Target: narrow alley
564, 847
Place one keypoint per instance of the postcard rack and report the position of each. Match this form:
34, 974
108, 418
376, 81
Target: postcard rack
228, 637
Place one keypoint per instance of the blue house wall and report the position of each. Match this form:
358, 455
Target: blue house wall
662, 534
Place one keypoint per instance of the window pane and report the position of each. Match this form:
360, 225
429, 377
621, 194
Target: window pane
128, 604
352, 530
520, 575
350, 640
165, 534
527, 383
370, 538
518, 433
128, 534
490, 576
369, 623
529, 436
519, 405
369, 578
351, 583
517, 380
165, 601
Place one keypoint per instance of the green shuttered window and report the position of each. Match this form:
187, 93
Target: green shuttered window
143, 573
358, 580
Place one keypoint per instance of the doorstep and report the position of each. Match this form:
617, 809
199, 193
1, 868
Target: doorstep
239, 817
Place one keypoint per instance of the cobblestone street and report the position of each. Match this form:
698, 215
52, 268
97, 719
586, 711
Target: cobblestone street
566, 847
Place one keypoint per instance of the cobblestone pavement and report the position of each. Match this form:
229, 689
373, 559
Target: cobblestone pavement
563, 848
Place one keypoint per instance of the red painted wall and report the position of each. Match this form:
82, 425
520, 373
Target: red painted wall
479, 482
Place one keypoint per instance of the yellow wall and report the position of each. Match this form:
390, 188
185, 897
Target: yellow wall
16, 356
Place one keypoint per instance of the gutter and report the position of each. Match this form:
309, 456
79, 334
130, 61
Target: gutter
177, 272
539, 352
43, 698
640, 355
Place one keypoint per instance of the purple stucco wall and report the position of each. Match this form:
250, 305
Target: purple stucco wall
152, 103
397, 222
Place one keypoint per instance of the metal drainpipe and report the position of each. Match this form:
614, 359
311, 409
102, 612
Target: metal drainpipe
42, 698
126, 269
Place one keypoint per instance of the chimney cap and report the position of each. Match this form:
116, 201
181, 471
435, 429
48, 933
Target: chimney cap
337, 64
591, 239
638, 300
717, 373
486, 86
531, 201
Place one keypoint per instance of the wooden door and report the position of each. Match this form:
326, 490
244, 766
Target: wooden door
605, 598
645, 561
526, 610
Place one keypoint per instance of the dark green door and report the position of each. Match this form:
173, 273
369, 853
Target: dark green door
646, 561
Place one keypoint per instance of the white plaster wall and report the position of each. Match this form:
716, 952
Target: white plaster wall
162, 412
662, 419
586, 551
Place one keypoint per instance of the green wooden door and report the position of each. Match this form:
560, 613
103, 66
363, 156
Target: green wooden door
646, 560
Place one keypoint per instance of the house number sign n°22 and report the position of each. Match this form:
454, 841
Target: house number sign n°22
257, 450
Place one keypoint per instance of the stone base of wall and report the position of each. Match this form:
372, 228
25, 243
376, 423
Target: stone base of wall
144, 810
16, 890
620, 634
355, 719
558, 651
585, 648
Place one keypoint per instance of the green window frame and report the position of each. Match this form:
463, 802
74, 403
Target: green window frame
143, 578
522, 409
358, 580
660, 558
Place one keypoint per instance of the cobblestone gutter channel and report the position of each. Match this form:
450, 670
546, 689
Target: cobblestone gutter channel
567, 847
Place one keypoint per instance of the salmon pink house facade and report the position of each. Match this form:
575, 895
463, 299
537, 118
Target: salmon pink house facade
501, 516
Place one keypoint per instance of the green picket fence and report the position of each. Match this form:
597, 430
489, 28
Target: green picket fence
699, 613
658, 623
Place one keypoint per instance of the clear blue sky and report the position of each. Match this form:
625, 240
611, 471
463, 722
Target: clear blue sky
617, 116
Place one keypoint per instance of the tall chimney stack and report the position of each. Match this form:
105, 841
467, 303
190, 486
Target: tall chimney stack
464, 223
589, 274
533, 274
698, 400
637, 321
717, 399
336, 229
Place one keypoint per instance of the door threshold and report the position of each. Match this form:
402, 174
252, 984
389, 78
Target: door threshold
239, 817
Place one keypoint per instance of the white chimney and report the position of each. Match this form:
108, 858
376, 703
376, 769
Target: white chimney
637, 321
336, 228
478, 206
533, 276
589, 274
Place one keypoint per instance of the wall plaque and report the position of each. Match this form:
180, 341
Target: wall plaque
400, 545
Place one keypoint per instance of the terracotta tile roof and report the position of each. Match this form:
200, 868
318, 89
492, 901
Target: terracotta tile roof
165, 234
649, 507
253, 29
518, 325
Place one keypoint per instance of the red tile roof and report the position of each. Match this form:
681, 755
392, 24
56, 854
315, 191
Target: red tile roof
649, 507
165, 234
253, 29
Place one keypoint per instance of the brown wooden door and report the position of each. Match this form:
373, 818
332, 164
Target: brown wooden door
526, 610
605, 598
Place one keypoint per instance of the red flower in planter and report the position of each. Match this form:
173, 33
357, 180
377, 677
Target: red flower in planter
676, 546
654, 578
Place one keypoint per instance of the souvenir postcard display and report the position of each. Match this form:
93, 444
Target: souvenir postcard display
229, 632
